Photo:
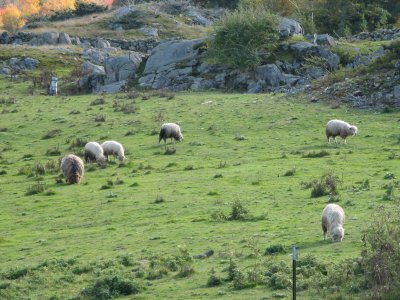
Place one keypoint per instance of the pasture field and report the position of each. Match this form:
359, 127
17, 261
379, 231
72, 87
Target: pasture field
141, 220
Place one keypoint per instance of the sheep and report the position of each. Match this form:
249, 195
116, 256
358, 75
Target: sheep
333, 219
94, 152
339, 127
170, 130
72, 168
113, 148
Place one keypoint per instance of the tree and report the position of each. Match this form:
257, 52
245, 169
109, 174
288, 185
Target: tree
28, 7
50, 6
11, 18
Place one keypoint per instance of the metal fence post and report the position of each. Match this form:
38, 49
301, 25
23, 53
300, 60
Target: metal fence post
294, 270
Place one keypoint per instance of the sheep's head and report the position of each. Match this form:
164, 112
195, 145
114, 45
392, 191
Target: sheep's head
179, 137
337, 234
101, 161
353, 130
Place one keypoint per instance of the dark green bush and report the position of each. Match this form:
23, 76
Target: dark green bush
213, 280
326, 185
16, 273
113, 286
37, 188
87, 8
243, 38
275, 249
381, 252
239, 211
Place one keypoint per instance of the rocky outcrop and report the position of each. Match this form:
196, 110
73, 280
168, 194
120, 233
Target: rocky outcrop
92, 76
16, 65
112, 75
171, 65
50, 38
122, 68
289, 27
178, 65
366, 59
321, 39
379, 35
303, 50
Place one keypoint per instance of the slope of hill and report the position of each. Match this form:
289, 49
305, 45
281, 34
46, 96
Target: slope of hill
238, 184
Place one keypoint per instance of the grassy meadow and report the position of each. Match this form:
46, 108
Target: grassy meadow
143, 219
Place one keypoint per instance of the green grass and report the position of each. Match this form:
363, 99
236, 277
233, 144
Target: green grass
96, 25
63, 59
68, 238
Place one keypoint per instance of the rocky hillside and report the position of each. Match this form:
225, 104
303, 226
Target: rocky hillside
151, 54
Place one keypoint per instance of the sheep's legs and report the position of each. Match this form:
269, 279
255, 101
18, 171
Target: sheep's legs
324, 229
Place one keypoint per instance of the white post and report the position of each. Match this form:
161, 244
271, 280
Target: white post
53, 86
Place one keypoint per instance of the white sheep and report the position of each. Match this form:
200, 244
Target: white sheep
72, 168
170, 130
332, 220
339, 127
113, 148
94, 152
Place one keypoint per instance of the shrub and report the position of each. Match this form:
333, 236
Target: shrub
280, 280
16, 273
54, 151
314, 154
159, 199
239, 211
232, 269
185, 262
389, 192
275, 249
213, 280
218, 215
39, 187
326, 185
98, 101
381, 252
38, 169
112, 286
243, 38
51, 165
52, 133
389, 175
78, 143
100, 118
85, 8
290, 172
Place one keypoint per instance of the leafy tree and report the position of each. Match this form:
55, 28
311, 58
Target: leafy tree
29, 7
11, 18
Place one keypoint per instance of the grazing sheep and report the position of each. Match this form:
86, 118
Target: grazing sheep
72, 167
113, 148
170, 130
94, 152
333, 220
338, 127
